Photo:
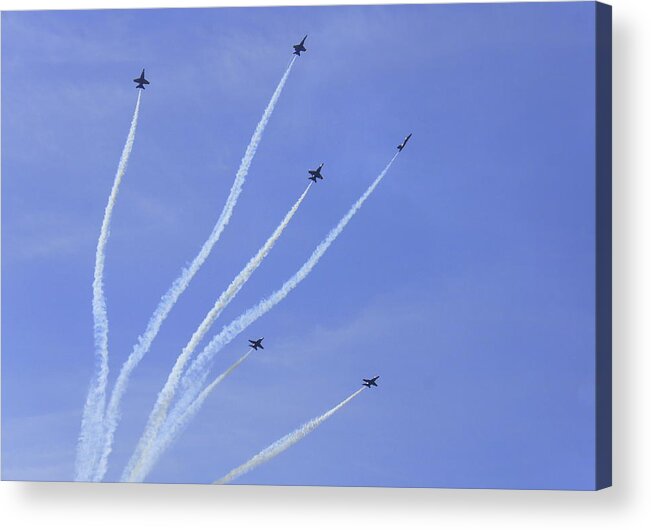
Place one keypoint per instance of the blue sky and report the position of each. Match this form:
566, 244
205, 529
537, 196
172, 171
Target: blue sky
466, 281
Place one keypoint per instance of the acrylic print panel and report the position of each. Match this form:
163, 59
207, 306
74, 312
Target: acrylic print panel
220, 226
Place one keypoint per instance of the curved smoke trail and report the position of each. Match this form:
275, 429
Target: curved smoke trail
181, 283
175, 424
91, 423
284, 443
158, 414
197, 373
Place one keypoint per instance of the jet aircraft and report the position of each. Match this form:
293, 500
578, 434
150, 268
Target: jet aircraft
404, 142
316, 174
370, 382
298, 48
141, 80
255, 344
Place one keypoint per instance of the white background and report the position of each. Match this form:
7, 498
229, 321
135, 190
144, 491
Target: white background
626, 505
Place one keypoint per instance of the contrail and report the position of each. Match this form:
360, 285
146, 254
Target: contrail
159, 412
175, 424
284, 443
197, 373
91, 423
181, 283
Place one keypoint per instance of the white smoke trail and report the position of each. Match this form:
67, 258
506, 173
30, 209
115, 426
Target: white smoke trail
284, 443
159, 412
197, 373
176, 424
91, 423
181, 283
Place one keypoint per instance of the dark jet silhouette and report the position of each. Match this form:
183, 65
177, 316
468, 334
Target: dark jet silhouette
255, 344
141, 80
298, 48
316, 174
404, 142
370, 382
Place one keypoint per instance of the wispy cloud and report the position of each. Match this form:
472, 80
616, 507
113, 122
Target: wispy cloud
91, 423
179, 285
285, 442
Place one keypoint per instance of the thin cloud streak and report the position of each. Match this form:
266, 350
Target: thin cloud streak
285, 442
93, 414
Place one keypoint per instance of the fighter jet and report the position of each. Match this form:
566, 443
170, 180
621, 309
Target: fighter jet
141, 80
404, 142
316, 174
370, 382
298, 48
255, 344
